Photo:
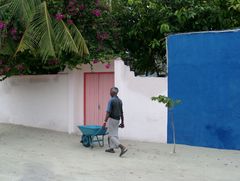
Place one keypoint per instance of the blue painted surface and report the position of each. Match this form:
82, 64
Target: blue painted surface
92, 130
204, 72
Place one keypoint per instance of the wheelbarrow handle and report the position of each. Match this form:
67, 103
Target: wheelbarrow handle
104, 124
102, 128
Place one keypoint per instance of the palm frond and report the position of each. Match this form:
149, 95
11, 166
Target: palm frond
3, 8
43, 24
69, 39
26, 10
2, 37
39, 35
3, 1
26, 43
64, 38
14, 8
8, 48
79, 40
50, 38
22, 9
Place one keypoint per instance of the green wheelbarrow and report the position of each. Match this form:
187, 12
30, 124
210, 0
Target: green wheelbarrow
92, 134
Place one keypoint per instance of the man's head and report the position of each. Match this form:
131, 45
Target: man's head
114, 91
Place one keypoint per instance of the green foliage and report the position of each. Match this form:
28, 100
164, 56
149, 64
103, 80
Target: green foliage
29, 32
66, 33
168, 102
144, 25
42, 35
96, 22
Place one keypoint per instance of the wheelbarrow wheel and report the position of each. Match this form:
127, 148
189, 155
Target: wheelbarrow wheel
86, 141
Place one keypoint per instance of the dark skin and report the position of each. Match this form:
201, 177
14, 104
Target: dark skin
112, 93
107, 113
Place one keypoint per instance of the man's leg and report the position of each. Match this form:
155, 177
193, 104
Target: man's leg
123, 150
115, 143
112, 132
113, 126
111, 149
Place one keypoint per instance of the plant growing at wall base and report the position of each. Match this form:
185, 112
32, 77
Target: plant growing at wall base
170, 104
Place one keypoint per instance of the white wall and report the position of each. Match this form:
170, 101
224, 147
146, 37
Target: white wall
46, 101
38, 101
56, 101
145, 120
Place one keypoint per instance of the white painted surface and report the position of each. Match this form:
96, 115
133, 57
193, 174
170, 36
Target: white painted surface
46, 101
145, 120
38, 101
57, 101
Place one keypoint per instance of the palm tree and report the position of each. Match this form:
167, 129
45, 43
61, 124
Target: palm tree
43, 36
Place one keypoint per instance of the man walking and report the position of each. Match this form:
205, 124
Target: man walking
113, 115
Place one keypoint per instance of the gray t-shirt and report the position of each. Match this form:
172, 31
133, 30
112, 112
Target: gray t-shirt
114, 108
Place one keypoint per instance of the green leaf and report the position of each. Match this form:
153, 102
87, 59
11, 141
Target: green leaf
164, 28
22, 8
64, 38
3, 8
9, 47
168, 102
39, 35
79, 40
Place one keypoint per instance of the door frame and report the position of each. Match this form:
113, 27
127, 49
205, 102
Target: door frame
84, 90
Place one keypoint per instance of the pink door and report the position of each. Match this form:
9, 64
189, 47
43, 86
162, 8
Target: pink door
96, 91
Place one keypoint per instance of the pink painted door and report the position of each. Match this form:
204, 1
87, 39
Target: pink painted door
97, 88
106, 82
91, 98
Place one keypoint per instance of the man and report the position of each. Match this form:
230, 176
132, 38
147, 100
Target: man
113, 115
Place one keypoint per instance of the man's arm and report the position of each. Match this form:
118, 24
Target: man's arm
122, 118
108, 111
106, 117
122, 121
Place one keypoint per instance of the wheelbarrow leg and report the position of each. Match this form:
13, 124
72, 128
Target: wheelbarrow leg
100, 141
91, 141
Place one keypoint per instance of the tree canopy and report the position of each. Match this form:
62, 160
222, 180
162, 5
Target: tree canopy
144, 25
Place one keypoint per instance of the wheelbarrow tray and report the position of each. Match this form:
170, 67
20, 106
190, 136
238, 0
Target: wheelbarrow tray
92, 134
92, 130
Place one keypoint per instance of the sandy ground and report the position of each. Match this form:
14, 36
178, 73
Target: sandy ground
30, 154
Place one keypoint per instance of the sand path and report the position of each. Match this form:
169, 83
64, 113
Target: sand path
30, 154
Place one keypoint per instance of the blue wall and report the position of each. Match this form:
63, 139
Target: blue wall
204, 72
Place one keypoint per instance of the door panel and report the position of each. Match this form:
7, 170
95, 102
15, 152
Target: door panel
106, 82
97, 94
91, 98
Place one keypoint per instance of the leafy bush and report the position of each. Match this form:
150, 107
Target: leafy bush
44, 37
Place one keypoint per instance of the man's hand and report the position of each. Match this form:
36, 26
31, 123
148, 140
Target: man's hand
121, 125
104, 124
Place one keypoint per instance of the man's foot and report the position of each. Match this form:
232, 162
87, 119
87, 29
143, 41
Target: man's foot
123, 151
110, 150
